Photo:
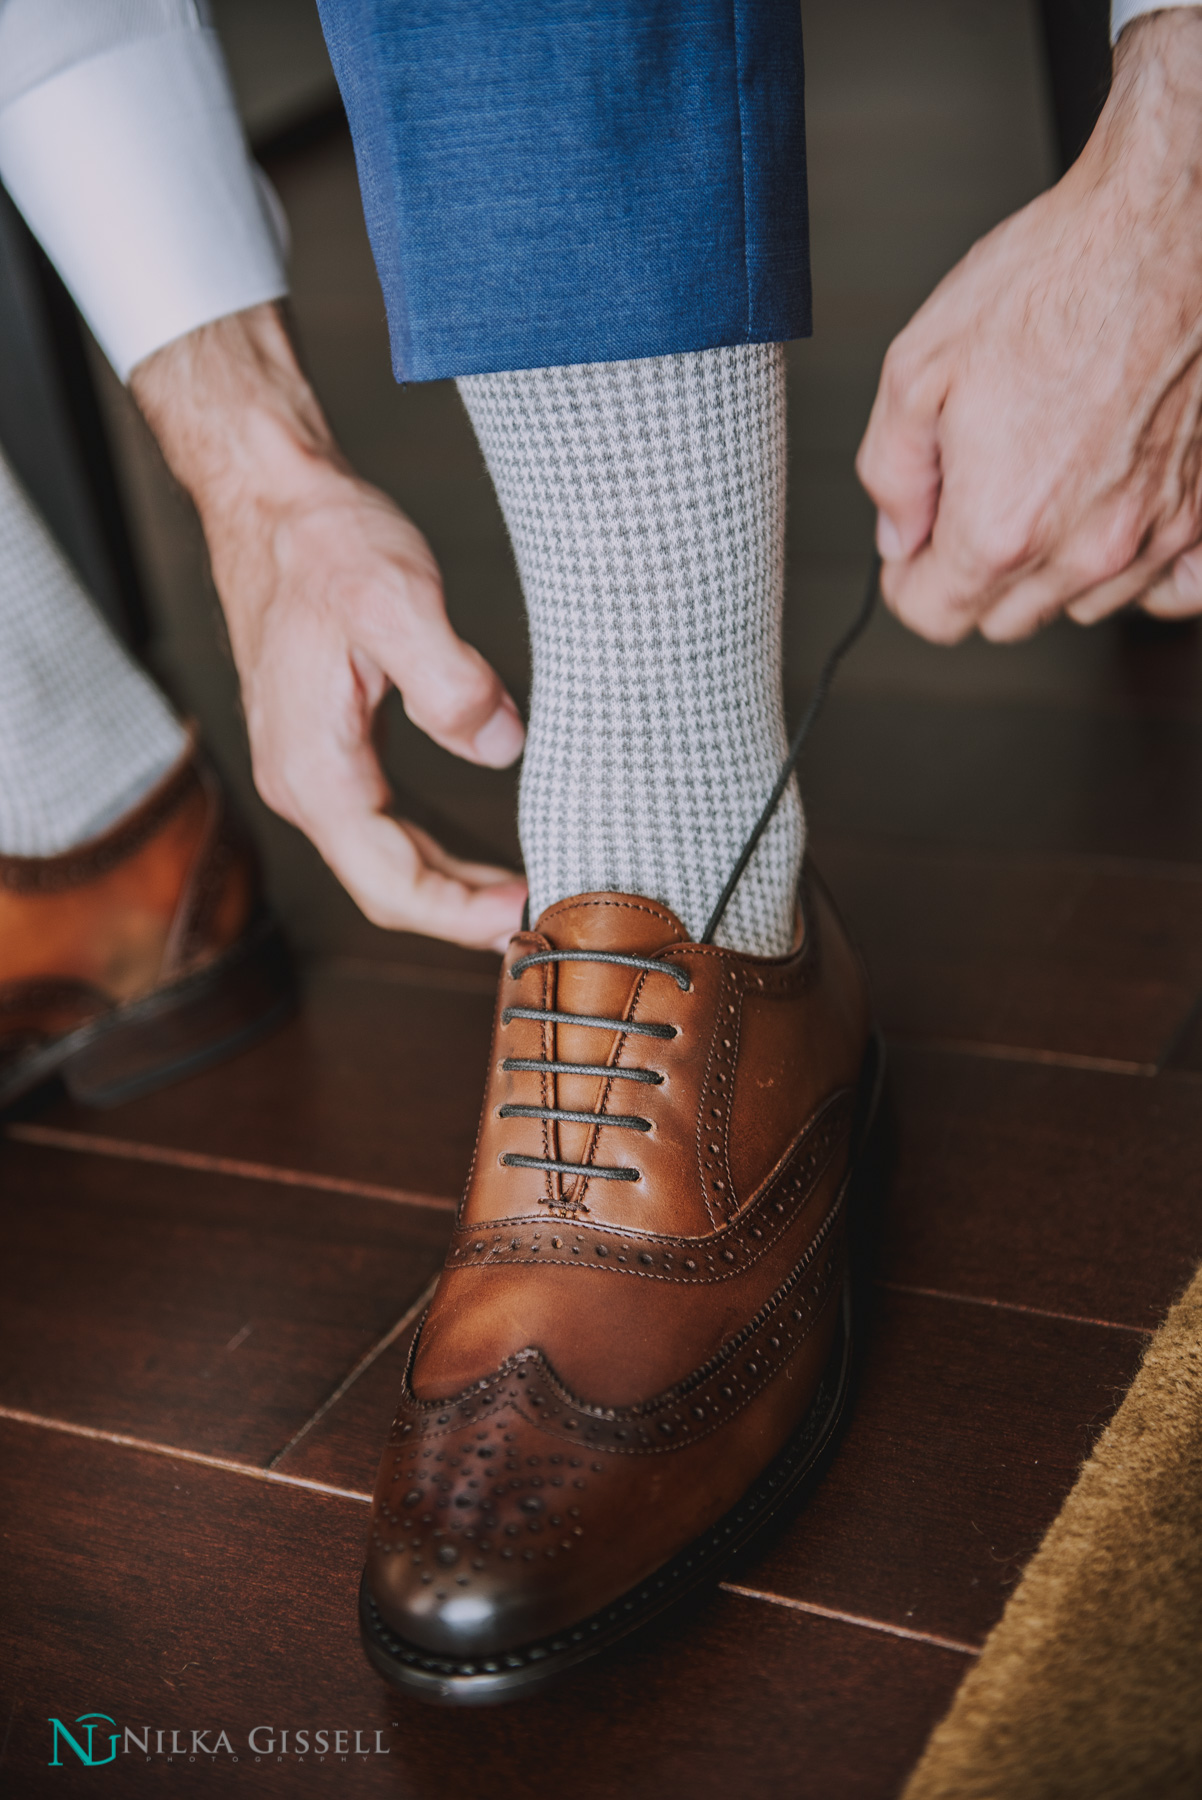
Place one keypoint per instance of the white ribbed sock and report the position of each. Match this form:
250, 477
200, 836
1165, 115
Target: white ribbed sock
646, 504
84, 734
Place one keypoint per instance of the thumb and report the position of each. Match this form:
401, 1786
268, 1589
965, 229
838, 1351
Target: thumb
898, 460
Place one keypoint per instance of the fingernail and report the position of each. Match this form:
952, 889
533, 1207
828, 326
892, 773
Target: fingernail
500, 741
888, 537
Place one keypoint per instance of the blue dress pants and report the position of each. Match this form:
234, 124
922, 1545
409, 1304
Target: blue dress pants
569, 181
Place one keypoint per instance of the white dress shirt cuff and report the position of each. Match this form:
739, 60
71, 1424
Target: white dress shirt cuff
132, 170
1123, 11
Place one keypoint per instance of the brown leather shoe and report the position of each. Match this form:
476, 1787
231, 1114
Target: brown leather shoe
140, 956
639, 1347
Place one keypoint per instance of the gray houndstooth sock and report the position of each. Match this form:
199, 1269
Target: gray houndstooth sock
646, 503
84, 734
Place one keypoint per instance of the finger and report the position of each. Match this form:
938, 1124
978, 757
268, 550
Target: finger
1036, 602
475, 874
1178, 594
1109, 597
1036, 599
927, 594
1023, 584
383, 865
898, 460
330, 785
1102, 567
447, 688
328, 781
463, 705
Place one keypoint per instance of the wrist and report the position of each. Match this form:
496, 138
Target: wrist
234, 415
1150, 131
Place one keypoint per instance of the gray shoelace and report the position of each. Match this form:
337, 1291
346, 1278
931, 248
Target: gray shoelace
635, 1027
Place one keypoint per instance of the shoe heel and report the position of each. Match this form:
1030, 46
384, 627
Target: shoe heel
189, 1025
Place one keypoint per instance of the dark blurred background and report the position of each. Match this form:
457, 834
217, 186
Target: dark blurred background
928, 123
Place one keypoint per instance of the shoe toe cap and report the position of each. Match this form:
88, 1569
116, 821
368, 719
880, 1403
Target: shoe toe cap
480, 1543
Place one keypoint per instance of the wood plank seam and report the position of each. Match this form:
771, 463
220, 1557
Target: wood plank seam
1016, 1306
228, 1464
276, 1478
1017, 1053
846, 1618
51, 1137
364, 1363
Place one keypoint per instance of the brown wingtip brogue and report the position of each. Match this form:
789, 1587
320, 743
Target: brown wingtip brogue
140, 956
639, 1347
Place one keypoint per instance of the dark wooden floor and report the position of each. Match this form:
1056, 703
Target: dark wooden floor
205, 1297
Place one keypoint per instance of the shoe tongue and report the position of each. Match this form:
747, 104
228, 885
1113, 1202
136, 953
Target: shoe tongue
621, 922
614, 922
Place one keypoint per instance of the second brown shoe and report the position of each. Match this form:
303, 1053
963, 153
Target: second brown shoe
638, 1350
140, 956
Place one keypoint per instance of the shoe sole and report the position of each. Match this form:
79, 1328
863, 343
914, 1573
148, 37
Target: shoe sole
176, 1031
786, 1483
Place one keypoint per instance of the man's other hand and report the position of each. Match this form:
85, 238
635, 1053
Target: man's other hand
1036, 442
331, 596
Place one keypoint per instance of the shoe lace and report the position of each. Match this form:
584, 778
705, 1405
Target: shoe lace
544, 1015
635, 1027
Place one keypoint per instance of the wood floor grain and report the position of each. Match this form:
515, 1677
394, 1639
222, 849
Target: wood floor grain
176, 1598
192, 1309
1048, 956
377, 1081
969, 1426
1066, 1190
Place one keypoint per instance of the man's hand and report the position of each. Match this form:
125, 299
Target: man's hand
332, 596
1036, 442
